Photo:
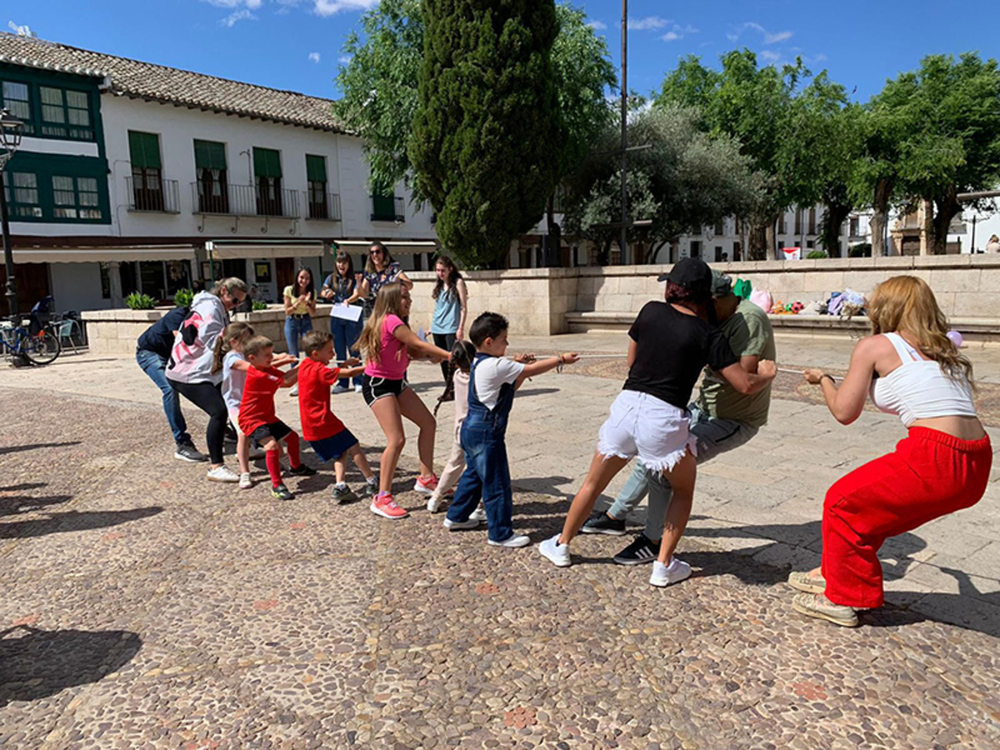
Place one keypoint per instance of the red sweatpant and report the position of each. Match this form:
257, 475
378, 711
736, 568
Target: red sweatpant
929, 475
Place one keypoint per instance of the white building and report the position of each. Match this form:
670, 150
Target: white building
133, 176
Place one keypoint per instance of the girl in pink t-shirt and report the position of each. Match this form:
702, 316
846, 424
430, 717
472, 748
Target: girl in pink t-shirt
386, 344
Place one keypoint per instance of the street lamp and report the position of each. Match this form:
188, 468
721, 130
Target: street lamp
10, 139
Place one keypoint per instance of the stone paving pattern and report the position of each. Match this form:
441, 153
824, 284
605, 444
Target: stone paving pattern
144, 607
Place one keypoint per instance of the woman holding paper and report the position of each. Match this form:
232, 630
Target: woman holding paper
345, 317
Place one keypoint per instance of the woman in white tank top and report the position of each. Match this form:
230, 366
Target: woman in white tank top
910, 368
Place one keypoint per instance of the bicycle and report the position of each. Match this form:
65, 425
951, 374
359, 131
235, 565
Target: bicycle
40, 348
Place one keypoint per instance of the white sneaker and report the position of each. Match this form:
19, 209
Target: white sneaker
294, 391
222, 474
245, 482
357, 389
513, 541
460, 525
434, 504
664, 575
479, 514
557, 553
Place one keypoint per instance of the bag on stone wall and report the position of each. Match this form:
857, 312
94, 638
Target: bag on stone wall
743, 288
762, 298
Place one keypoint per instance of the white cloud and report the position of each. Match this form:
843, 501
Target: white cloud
678, 32
344, 59
649, 23
236, 16
769, 37
330, 7
671, 36
250, 4
770, 56
597, 25
314, 57
820, 57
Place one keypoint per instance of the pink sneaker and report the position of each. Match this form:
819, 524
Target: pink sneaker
384, 505
426, 486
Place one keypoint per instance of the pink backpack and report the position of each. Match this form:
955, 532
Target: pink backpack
762, 299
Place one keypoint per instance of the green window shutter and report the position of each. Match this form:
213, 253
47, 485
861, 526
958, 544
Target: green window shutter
209, 155
266, 163
144, 149
315, 168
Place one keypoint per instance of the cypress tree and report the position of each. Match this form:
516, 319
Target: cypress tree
488, 132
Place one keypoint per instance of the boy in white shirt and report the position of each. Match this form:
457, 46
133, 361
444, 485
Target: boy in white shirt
492, 383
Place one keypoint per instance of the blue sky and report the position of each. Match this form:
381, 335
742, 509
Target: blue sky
296, 44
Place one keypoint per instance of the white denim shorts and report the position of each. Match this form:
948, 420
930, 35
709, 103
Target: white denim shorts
645, 426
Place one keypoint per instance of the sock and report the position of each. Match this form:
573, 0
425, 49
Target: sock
372, 480
292, 441
341, 485
273, 461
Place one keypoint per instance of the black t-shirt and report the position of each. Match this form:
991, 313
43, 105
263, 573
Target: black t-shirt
671, 350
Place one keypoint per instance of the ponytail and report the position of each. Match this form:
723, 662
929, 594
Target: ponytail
233, 332
462, 354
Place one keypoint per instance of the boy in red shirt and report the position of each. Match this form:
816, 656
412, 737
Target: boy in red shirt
257, 417
326, 434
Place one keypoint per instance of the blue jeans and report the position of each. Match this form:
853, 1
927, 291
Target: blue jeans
486, 477
155, 367
345, 333
295, 329
714, 436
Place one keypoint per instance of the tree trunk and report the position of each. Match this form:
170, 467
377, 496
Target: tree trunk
880, 216
553, 238
947, 206
769, 235
757, 241
834, 218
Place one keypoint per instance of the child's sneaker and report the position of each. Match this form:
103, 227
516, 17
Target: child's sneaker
342, 494
664, 575
245, 482
385, 505
513, 541
426, 485
358, 389
222, 474
338, 389
281, 492
303, 470
460, 525
479, 514
370, 489
557, 553
434, 503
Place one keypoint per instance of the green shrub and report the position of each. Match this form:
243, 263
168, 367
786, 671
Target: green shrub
136, 301
258, 305
184, 297
863, 250
816, 255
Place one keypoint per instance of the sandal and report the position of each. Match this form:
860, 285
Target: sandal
802, 581
818, 606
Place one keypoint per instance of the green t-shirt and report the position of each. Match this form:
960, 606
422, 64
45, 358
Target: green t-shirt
750, 335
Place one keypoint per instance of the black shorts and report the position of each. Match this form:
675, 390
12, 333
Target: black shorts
375, 388
277, 430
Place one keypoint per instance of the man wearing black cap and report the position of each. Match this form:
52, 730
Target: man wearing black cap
722, 419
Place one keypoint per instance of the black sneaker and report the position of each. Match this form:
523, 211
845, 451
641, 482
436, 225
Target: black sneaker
281, 492
640, 551
342, 494
601, 523
303, 471
187, 452
370, 490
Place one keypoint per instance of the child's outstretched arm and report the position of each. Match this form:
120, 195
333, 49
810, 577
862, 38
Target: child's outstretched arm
291, 378
351, 372
414, 342
544, 365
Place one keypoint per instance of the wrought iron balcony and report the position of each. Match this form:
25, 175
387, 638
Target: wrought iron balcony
153, 194
244, 200
323, 206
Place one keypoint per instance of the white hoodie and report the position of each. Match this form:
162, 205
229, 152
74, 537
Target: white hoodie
194, 346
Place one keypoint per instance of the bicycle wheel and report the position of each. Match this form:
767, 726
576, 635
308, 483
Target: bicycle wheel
42, 348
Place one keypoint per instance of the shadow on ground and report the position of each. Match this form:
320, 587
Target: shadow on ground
74, 521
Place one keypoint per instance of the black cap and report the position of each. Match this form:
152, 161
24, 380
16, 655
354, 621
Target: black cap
691, 273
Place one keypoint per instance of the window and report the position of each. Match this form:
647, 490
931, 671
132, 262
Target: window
718, 254
782, 225
147, 178
213, 186
855, 227
25, 201
316, 175
65, 113
781, 245
798, 221
17, 99
75, 198
267, 171
812, 221
695, 248
810, 244
720, 228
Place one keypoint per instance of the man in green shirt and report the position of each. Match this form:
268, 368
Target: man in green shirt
722, 419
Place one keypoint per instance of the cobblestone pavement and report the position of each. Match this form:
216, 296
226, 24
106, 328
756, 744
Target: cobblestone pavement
144, 607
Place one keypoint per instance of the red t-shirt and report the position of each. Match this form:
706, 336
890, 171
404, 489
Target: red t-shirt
257, 406
315, 381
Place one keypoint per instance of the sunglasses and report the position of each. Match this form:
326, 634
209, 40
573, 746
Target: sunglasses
374, 252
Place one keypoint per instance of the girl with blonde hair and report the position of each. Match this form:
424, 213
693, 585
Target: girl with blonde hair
387, 343
911, 369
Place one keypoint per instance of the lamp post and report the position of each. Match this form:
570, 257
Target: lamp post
10, 138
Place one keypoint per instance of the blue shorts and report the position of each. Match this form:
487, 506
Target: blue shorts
335, 446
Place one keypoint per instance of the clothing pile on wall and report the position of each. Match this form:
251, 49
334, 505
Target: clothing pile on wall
844, 304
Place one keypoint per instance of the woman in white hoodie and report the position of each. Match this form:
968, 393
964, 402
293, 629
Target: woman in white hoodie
190, 368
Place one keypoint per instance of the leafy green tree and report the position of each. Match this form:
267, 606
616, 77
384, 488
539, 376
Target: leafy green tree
488, 122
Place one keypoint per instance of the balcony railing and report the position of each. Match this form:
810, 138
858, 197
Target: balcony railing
244, 200
326, 207
154, 195
388, 208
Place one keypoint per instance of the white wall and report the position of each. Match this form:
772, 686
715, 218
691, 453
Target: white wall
77, 286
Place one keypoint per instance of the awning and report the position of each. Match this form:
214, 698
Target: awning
252, 250
103, 254
397, 247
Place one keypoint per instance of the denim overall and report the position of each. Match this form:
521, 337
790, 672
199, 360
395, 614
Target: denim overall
487, 474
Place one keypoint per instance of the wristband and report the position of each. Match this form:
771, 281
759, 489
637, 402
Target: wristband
825, 375
559, 364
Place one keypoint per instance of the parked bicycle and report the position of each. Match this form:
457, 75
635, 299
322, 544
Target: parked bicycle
37, 342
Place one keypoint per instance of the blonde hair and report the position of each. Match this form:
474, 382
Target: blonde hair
388, 302
907, 304
234, 332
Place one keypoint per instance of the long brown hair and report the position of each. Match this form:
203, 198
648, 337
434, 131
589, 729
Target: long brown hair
388, 302
907, 304
454, 276
223, 345
370, 265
